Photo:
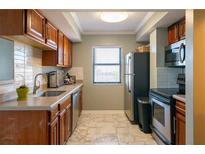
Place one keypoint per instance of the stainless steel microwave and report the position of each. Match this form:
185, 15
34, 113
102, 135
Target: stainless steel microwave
175, 54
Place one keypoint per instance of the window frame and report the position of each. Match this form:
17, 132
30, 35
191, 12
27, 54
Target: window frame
107, 64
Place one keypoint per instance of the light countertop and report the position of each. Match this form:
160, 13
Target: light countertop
180, 98
35, 102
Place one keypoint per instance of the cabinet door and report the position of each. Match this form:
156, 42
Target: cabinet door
173, 34
54, 132
51, 35
67, 52
63, 123
180, 128
60, 48
35, 25
182, 29
68, 121
180, 123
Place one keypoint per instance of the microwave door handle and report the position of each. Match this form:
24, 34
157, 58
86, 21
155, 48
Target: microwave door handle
182, 49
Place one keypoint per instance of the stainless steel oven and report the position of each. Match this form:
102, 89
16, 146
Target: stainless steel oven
175, 54
163, 123
161, 118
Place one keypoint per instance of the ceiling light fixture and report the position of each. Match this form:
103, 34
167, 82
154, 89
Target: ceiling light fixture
113, 17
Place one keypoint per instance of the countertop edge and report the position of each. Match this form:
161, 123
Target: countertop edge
180, 98
41, 108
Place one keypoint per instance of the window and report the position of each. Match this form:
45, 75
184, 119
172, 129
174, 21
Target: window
107, 65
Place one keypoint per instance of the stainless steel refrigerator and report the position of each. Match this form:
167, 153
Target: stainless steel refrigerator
136, 82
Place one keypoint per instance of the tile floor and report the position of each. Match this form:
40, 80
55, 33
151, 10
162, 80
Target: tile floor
97, 127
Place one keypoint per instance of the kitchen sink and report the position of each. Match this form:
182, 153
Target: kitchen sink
51, 93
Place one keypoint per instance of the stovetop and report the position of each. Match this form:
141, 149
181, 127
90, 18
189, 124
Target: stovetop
165, 92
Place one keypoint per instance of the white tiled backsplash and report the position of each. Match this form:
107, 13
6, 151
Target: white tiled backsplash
27, 63
77, 71
167, 77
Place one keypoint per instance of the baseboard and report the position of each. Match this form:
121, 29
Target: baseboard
102, 111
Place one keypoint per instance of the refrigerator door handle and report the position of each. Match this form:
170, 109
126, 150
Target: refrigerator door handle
129, 81
129, 85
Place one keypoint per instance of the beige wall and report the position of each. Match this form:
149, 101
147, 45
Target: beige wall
195, 77
199, 77
101, 97
153, 59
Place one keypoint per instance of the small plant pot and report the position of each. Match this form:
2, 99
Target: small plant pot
22, 93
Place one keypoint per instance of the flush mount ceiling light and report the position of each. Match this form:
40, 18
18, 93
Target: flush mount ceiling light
113, 17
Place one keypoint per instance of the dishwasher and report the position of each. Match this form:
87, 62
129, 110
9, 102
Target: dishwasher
75, 107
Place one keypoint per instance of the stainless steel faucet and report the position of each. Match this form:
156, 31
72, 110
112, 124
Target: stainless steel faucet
35, 87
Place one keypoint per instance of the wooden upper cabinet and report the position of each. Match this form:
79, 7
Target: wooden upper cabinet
12, 22
67, 52
51, 35
176, 31
182, 29
173, 34
60, 49
60, 57
35, 25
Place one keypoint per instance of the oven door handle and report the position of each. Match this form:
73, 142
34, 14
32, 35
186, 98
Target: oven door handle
158, 102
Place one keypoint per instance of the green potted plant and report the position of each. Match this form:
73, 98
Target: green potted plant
22, 93
23, 90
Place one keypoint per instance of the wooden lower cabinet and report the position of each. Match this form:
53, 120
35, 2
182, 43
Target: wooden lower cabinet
68, 120
65, 121
37, 127
54, 132
180, 123
62, 130
24, 128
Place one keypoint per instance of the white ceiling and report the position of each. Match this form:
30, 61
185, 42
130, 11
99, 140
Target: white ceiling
91, 23
75, 23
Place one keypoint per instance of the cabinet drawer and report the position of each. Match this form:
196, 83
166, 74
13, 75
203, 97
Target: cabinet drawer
66, 103
180, 107
54, 113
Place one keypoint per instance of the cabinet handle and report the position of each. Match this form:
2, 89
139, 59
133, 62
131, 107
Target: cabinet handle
68, 106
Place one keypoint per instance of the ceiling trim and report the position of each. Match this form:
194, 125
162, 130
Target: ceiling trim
72, 23
77, 21
144, 21
110, 33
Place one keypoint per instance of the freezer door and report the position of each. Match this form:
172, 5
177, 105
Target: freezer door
129, 100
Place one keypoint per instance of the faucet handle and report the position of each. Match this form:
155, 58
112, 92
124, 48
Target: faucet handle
39, 83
